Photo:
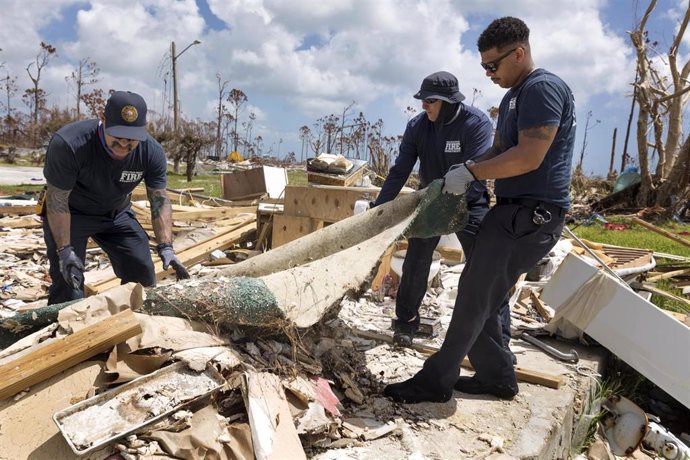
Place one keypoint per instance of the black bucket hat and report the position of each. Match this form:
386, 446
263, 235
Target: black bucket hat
125, 116
440, 85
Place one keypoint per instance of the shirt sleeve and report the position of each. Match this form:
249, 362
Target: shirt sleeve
61, 167
156, 171
399, 173
541, 104
477, 139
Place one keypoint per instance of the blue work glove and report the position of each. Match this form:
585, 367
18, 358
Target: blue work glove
457, 179
168, 257
71, 267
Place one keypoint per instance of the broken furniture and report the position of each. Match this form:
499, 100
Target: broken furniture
254, 183
318, 172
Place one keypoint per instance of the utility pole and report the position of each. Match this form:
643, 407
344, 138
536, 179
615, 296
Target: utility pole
176, 102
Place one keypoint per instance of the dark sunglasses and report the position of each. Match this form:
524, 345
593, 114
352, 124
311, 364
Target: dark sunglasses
492, 66
429, 100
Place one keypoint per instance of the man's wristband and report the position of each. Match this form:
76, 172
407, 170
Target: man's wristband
469, 163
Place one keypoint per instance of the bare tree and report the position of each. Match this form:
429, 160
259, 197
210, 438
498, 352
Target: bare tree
41, 60
9, 87
86, 74
222, 93
661, 101
304, 135
584, 141
95, 101
237, 99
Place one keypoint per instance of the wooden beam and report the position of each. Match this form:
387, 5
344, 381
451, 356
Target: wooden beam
522, 374
189, 256
655, 290
668, 275
24, 210
661, 231
215, 213
56, 356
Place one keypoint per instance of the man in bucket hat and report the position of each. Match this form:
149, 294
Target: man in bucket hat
530, 160
91, 168
447, 133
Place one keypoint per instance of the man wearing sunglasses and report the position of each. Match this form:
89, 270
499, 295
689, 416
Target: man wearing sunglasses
91, 169
530, 159
446, 134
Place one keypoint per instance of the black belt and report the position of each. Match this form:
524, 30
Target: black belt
533, 204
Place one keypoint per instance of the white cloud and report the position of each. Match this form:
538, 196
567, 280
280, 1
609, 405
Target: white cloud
372, 52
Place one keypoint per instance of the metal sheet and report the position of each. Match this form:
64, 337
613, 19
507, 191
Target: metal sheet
130, 407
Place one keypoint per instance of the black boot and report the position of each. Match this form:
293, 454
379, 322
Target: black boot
415, 390
473, 386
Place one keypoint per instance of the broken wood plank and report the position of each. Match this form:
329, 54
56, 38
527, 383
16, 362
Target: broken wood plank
522, 374
655, 290
56, 356
189, 256
18, 210
384, 268
545, 312
661, 231
273, 432
224, 211
668, 275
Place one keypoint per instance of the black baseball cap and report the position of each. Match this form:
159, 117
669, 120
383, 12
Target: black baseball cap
440, 85
125, 116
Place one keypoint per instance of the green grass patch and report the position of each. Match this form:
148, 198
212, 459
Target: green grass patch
297, 177
209, 182
9, 190
636, 236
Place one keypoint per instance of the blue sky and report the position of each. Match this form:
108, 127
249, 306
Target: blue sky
298, 60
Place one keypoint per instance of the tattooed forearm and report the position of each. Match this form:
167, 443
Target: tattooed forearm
161, 214
543, 133
57, 212
57, 200
159, 200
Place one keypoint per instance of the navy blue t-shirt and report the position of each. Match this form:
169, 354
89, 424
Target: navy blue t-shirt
77, 160
438, 147
542, 99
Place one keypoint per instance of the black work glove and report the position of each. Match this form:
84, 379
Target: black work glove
168, 257
71, 267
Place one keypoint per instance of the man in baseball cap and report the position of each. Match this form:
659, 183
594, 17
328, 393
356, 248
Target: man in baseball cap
91, 168
125, 116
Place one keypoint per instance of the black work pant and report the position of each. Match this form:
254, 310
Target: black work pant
416, 267
121, 237
508, 244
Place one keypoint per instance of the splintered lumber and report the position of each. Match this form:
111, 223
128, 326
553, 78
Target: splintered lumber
661, 231
18, 210
522, 374
384, 268
660, 292
545, 312
56, 356
273, 432
667, 275
191, 255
